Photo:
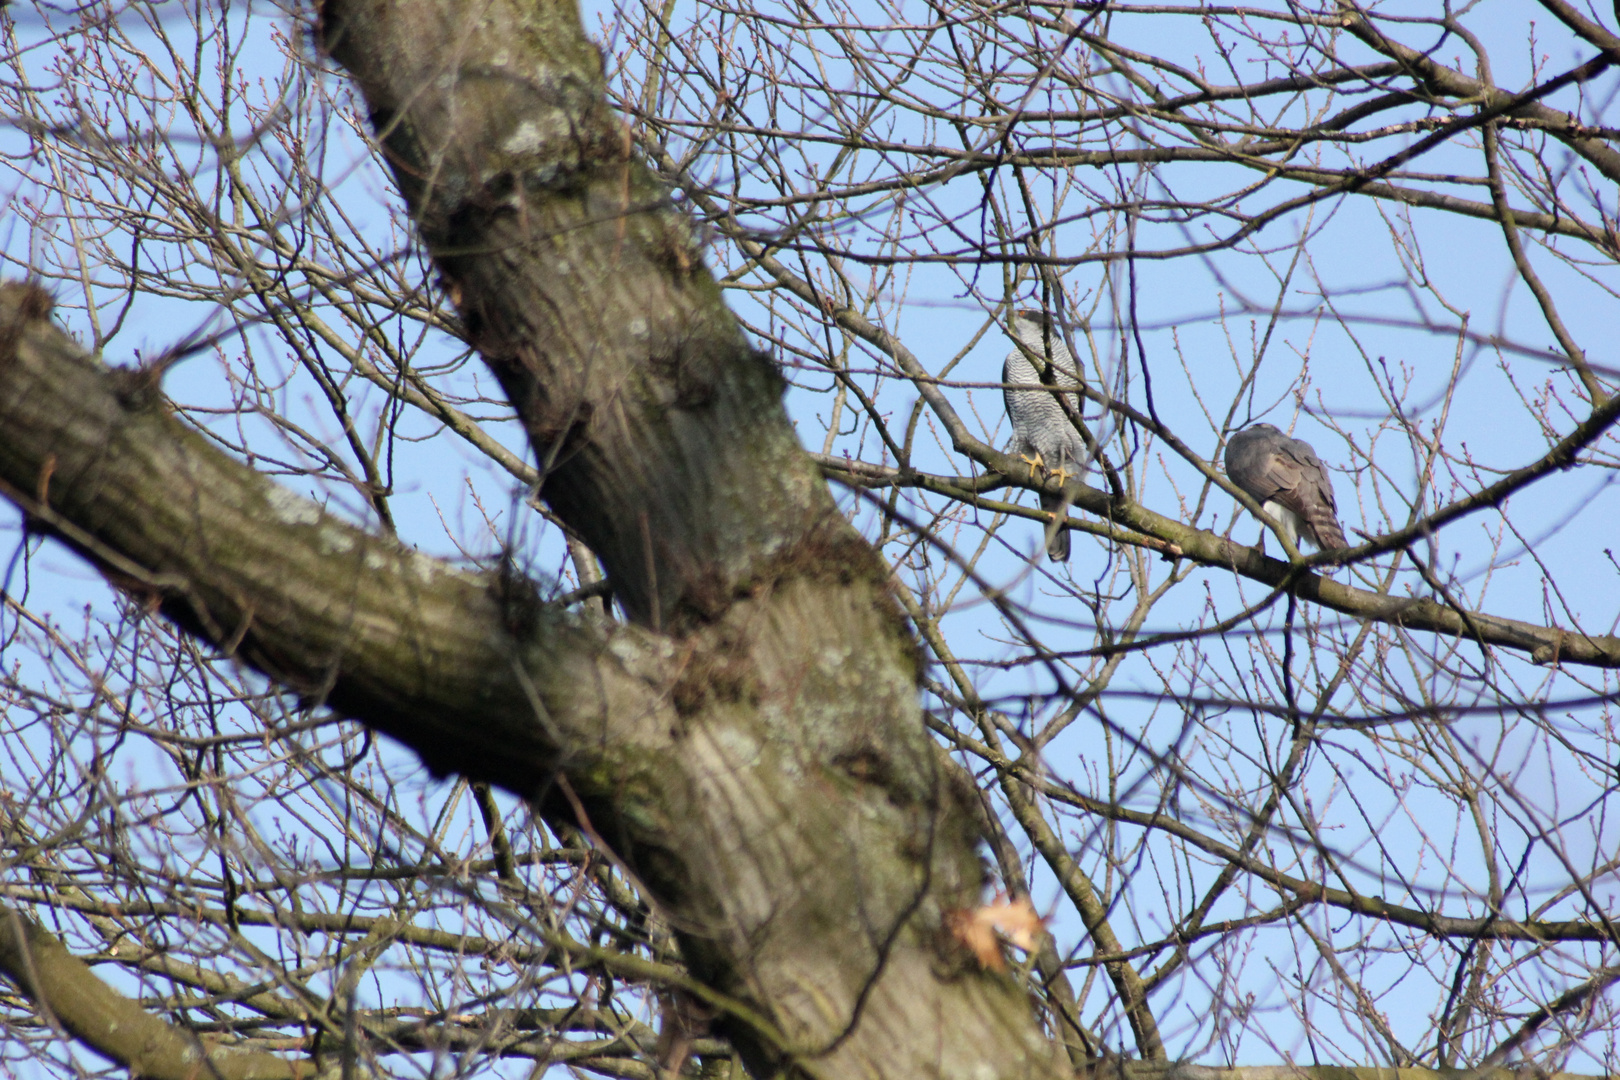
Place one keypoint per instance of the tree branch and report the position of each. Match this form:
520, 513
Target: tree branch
68, 993
472, 672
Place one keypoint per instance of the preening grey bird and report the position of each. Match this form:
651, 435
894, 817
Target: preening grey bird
1042, 433
1289, 482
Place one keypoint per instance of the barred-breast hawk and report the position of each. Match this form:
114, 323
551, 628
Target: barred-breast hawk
1042, 433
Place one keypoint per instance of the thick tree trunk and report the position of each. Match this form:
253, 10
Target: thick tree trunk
790, 814
753, 748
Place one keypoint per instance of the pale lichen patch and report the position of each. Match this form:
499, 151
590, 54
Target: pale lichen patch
634, 650
736, 747
335, 540
291, 509
527, 139
425, 567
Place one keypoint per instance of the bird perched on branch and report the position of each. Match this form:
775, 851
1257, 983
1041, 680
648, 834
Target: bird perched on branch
1289, 482
1043, 435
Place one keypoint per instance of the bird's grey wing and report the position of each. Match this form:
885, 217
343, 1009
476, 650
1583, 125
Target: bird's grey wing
1307, 490
1254, 464
1313, 481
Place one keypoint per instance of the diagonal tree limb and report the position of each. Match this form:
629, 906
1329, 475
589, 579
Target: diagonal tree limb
418, 649
69, 993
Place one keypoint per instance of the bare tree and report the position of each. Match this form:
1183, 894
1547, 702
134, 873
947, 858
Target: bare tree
704, 752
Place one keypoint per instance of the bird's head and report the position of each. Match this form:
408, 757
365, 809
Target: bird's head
1031, 317
1036, 330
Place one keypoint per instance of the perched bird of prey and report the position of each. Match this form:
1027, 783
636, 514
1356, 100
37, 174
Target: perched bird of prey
1042, 433
1289, 482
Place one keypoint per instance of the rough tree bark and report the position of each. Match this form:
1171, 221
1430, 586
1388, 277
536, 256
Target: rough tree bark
785, 806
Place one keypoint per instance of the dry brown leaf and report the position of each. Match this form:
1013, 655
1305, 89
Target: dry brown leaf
1015, 920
